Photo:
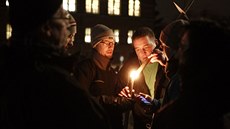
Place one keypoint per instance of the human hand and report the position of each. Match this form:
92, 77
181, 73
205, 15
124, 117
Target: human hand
125, 92
158, 56
144, 98
145, 101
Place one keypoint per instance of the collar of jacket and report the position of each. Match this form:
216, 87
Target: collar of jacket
101, 61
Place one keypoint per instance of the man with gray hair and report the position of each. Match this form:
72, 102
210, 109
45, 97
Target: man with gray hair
36, 92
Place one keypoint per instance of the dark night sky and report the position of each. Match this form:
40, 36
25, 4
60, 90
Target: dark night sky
168, 11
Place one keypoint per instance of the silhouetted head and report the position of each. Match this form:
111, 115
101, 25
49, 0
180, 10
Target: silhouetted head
170, 36
39, 24
26, 15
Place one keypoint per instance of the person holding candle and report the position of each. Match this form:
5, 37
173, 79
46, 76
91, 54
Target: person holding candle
151, 79
99, 78
170, 38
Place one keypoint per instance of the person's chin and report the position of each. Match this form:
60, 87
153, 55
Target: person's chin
109, 56
144, 59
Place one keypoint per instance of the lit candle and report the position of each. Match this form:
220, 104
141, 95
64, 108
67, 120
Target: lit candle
133, 75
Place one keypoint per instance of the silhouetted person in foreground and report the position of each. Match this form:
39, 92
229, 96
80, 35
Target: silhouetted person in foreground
39, 93
204, 101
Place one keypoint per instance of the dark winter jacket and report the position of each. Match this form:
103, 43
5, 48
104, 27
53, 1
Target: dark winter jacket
38, 93
101, 81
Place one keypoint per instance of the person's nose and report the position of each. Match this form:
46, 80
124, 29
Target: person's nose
144, 51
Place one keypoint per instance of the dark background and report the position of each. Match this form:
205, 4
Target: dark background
218, 8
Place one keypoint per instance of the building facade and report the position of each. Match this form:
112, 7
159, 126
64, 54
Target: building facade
123, 16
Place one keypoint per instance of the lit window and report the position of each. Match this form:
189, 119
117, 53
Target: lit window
69, 5
134, 7
92, 6
87, 35
130, 34
116, 34
114, 7
8, 31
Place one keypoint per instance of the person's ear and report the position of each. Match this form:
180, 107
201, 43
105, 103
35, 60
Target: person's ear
46, 29
157, 42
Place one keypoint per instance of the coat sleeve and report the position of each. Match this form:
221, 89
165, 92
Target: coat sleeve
84, 73
116, 103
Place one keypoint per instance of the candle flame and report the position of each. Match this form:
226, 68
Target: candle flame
134, 74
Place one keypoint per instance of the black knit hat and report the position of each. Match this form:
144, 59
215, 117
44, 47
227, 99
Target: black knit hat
171, 34
28, 14
100, 32
72, 24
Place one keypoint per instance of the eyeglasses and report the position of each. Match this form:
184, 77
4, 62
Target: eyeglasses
108, 43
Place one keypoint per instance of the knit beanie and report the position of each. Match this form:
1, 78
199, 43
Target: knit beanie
72, 25
26, 15
100, 32
171, 34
